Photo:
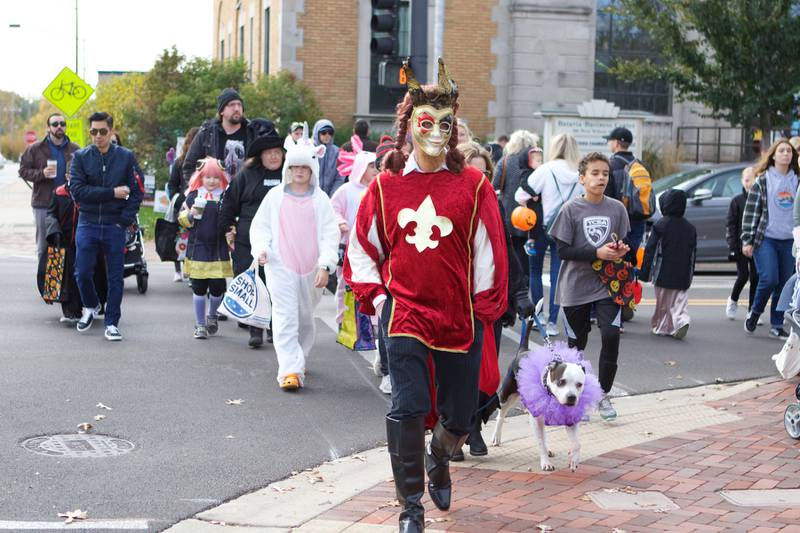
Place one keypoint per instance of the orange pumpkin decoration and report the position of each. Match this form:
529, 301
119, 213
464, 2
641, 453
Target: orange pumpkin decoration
639, 257
523, 218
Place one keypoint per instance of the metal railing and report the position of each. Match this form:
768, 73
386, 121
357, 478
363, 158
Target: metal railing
697, 141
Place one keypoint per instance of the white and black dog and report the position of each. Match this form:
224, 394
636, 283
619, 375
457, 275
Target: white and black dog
557, 387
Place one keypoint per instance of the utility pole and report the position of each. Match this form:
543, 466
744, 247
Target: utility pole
76, 36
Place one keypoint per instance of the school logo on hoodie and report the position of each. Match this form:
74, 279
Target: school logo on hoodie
596, 229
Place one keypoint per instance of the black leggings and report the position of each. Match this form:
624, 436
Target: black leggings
215, 286
745, 271
608, 320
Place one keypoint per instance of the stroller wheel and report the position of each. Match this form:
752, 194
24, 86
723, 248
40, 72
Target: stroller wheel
797, 391
791, 420
141, 282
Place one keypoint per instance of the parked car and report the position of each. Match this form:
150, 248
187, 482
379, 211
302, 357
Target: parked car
709, 190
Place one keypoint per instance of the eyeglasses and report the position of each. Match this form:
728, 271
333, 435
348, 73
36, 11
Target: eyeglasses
56, 124
202, 163
102, 132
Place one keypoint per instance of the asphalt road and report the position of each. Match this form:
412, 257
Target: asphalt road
192, 451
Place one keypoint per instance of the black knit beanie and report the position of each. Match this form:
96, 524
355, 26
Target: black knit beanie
227, 96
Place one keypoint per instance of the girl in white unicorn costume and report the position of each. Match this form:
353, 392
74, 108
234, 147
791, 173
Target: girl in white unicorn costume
345, 204
295, 236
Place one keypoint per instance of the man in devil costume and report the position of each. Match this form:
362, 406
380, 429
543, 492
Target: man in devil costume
428, 256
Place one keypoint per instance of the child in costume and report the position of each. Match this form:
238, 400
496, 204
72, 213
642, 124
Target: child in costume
295, 235
428, 255
584, 231
208, 261
345, 203
669, 260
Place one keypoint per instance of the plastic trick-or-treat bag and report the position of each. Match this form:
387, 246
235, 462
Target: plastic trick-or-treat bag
355, 332
247, 299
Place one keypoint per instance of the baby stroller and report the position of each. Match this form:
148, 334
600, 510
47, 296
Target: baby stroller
135, 263
791, 417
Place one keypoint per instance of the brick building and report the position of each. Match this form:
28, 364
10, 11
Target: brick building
511, 58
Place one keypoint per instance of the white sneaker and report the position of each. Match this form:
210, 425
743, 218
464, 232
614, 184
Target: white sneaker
87, 318
113, 334
376, 364
386, 385
730, 309
178, 277
552, 329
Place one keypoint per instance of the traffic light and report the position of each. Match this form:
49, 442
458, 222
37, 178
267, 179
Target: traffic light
384, 26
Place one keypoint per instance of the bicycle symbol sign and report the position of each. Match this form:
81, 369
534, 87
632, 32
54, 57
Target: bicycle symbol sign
68, 92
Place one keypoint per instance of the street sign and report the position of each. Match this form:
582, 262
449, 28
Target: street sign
75, 131
68, 92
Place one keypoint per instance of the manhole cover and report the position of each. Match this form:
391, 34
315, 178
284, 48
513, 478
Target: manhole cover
78, 445
763, 498
637, 501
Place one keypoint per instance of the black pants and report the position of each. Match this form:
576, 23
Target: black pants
745, 271
214, 286
382, 350
456, 379
609, 318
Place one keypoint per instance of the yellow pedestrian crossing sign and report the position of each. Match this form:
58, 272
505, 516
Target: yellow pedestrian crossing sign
68, 92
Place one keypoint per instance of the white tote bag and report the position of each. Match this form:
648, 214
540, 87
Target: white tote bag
247, 299
788, 359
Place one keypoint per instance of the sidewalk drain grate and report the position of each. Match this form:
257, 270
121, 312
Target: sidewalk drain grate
613, 500
78, 445
763, 498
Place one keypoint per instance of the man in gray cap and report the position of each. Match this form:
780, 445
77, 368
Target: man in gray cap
226, 136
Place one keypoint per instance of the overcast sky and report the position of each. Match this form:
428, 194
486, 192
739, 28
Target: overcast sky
112, 35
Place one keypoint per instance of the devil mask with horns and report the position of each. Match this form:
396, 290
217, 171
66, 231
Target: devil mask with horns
430, 113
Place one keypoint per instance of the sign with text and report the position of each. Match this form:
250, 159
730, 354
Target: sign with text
75, 131
68, 92
590, 132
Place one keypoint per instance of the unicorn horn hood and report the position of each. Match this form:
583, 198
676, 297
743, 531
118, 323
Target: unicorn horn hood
303, 154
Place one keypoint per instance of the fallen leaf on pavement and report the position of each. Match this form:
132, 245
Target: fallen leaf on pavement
217, 523
99, 417
670, 363
315, 477
71, 516
719, 380
585, 498
629, 490
678, 377
86, 427
282, 489
389, 480
234, 402
648, 433
103, 406
661, 398
618, 530
543, 528
611, 491
360, 458
389, 503
229, 437
438, 520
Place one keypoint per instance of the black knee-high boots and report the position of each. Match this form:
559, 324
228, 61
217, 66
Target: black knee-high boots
407, 452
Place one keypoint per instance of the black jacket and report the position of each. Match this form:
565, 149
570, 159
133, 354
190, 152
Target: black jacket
94, 177
670, 252
733, 227
516, 175
241, 202
207, 141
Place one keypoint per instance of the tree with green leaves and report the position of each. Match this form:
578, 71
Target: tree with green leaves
737, 57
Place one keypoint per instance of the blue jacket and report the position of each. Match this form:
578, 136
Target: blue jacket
94, 176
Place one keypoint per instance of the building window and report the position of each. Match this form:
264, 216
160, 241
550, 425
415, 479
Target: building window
250, 62
618, 40
266, 41
241, 41
222, 50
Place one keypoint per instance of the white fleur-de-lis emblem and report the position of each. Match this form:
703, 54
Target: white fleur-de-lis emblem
426, 218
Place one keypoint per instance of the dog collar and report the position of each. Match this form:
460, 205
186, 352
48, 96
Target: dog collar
556, 359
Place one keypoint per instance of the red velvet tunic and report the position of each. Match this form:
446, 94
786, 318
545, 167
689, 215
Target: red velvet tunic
435, 242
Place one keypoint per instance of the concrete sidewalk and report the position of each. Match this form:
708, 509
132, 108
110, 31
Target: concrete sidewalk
16, 220
672, 461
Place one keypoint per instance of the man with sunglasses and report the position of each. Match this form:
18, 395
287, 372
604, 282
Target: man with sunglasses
45, 178
104, 186
226, 137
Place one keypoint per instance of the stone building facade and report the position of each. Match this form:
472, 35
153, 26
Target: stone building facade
511, 58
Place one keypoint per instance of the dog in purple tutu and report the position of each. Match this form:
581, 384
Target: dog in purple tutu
558, 388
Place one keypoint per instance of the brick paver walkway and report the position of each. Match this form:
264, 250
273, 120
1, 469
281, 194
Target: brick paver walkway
689, 468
